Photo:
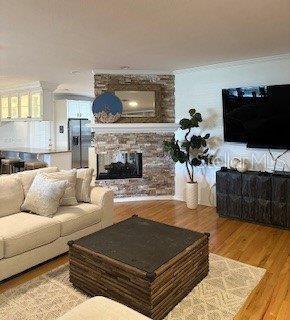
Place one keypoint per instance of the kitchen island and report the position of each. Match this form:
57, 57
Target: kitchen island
55, 158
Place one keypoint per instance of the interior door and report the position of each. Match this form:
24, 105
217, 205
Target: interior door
75, 142
85, 142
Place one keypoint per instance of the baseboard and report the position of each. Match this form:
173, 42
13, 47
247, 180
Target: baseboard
155, 198
144, 198
178, 198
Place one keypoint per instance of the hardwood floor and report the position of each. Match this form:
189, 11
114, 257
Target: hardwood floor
253, 244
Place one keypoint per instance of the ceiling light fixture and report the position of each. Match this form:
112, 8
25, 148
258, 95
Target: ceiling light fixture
74, 72
133, 103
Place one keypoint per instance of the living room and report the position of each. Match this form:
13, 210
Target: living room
144, 160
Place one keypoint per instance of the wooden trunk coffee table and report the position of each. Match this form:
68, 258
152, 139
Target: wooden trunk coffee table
146, 265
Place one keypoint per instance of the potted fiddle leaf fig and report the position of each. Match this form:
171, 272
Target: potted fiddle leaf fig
192, 152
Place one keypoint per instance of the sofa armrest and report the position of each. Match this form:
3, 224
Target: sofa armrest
104, 197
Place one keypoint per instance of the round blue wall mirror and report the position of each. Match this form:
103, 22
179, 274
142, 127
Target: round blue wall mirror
107, 108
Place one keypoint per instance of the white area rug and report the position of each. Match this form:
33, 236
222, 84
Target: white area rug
218, 297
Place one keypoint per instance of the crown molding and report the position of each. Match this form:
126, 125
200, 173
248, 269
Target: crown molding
231, 64
131, 72
42, 85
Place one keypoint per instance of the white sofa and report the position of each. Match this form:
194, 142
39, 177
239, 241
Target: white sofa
101, 308
27, 239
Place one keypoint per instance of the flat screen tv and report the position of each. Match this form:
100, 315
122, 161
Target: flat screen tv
258, 116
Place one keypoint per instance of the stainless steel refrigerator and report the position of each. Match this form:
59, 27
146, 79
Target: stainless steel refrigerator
79, 142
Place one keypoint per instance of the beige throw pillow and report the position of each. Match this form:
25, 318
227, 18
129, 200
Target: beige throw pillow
43, 197
83, 185
69, 197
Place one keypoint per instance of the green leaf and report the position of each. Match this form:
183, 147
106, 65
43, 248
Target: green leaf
185, 124
174, 158
206, 136
182, 157
194, 123
192, 112
195, 162
195, 142
205, 151
198, 117
203, 142
185, 144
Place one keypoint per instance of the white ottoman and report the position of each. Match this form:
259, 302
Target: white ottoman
100, 308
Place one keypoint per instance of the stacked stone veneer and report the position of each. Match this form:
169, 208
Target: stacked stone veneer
158, 168
102, 82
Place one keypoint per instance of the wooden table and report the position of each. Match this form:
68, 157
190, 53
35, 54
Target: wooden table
146, 265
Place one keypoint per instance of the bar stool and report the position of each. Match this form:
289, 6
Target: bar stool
1, 158
32, 165
10, 164
18, 166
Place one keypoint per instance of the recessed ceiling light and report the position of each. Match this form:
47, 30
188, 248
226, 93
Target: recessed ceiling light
75, 72
124, 67
133, 103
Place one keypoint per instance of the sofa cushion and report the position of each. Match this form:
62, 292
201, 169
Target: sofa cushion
22, 232
1, 248
11, 195
27, 177
74, 218
101, 308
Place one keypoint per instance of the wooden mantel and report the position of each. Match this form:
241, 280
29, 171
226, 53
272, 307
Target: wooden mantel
134, 127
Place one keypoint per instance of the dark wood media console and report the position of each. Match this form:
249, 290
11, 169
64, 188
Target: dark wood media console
254, 196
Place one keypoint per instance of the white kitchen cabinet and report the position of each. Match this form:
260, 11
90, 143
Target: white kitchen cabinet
24, 106
32, 102
79, 109
14, 106
72, 109
85, 109
36, 105
5, 109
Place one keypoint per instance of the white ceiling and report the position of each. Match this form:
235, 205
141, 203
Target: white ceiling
45, 40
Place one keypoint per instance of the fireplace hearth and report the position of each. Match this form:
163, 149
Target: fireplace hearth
119, 166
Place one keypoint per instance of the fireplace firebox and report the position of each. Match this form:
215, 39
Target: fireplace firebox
119, 166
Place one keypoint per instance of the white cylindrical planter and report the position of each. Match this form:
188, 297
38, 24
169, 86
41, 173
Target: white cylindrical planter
191, 195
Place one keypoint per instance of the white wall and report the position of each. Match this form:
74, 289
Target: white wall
202, 88
61, 119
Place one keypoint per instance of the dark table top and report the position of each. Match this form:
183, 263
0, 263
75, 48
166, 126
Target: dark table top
140, 243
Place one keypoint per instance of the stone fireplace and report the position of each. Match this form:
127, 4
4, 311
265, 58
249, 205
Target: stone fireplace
130, 157
142, 144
